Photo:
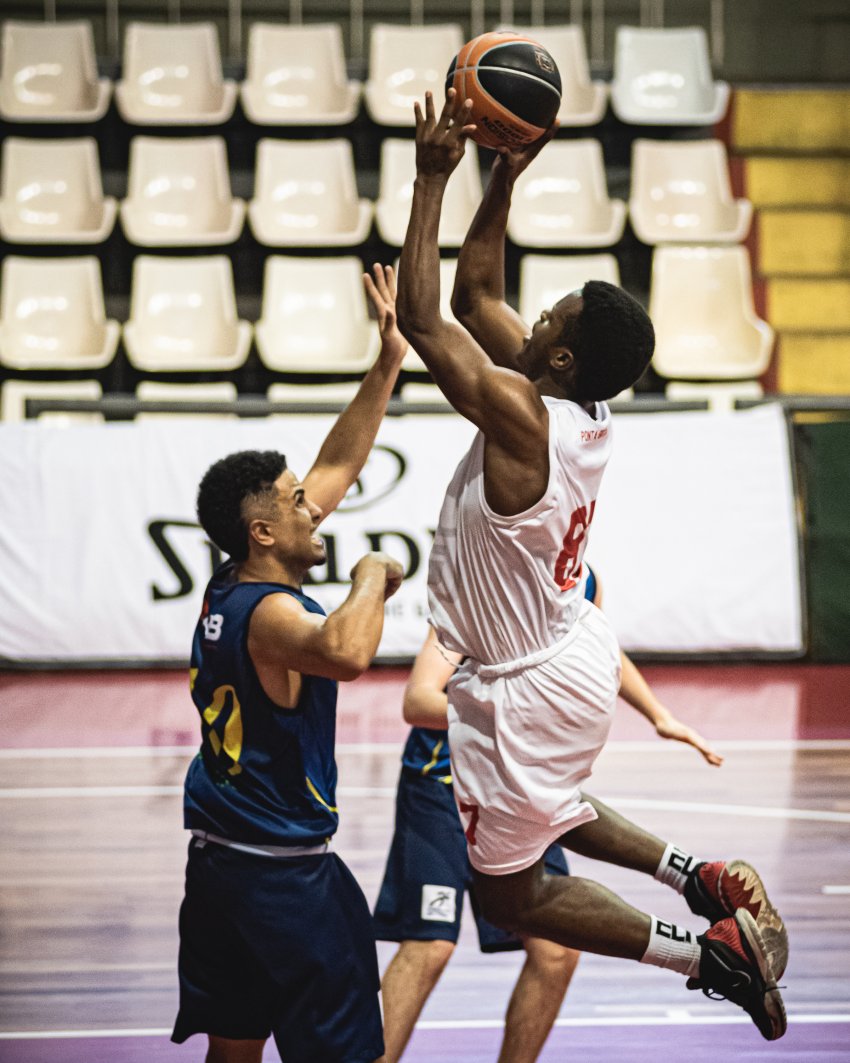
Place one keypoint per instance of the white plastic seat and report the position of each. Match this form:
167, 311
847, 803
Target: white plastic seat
314, 316
583, 102
50, 74
562, 200
681, 194
663, 77
179, 194
545, 279
296, 76
404, 63
14, 395
183, 316
416, 391
336, 392
162, 391
52, 315
395, 194
51, 193
701, 303
172, 76
306, 195
720, 397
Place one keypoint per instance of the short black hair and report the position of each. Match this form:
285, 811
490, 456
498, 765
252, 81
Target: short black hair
225, 486
612, 340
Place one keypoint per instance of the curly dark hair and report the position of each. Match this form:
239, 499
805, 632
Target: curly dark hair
612, 340
224, 488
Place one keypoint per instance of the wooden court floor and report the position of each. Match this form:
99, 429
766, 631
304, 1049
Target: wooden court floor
91, 769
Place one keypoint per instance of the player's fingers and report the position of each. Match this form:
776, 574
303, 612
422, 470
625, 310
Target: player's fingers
380, 281
448, 112
389, 278
429, 107
417, 115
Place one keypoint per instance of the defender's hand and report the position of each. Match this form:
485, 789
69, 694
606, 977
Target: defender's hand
382, 293
440, 143
677, 731
393, 571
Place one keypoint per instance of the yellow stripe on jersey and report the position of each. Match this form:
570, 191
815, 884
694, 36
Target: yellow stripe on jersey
434, 756
193, 675
318, 796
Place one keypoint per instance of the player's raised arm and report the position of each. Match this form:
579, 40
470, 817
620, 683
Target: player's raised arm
348, 443
503, 404
478, 299
425, 701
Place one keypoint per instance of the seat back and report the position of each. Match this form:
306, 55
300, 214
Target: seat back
52, 184
564, 190
298, 70
179, 185
48, 68
308, 186
566, 45
173, 70
53, 307
14, 395
404, 63
701, 303
682, 190
662, 73
184, 308
545, 279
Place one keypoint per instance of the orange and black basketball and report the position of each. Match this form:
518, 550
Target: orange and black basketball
514, 86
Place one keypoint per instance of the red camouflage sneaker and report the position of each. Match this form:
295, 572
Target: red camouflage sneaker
735, 965
717, 890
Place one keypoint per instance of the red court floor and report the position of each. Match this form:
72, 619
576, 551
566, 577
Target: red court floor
91, 766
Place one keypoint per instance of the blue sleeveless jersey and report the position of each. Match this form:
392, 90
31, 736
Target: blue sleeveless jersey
264, 774
427, 751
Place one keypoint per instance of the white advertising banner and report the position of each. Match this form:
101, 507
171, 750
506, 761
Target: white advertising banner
102, 560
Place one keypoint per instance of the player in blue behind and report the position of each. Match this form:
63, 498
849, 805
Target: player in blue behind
275, 934
428, 869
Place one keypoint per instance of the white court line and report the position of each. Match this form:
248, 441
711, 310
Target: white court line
654, 746
678, 1018
835, 890
759, 811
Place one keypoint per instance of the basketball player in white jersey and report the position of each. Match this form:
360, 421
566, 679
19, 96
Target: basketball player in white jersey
532, 706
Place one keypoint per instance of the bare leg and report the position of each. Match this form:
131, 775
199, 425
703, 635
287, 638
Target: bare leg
225, 1050
615, 840
571, 911
408, 981
536, 999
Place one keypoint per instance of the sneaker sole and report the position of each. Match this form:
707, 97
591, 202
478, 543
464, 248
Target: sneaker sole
740, 886
772, 1002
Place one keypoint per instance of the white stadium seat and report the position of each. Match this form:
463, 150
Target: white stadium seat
314, 317
306, 195
663, 77
404, 63
51, 193
701, 303
395, 195
172, 76
544, 279
296, 76
183, 316
720, 396
52, 315
681, 194
162, 391
336, 392
179, 194
562, 200
49, 73
14, 395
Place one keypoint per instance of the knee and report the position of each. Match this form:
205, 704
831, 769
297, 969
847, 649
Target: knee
552, 961
430, 956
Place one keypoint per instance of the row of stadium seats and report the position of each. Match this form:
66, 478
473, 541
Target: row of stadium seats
296, 75
315, 318
306, 195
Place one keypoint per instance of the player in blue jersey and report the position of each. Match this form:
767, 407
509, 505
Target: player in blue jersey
275, 934
428, 868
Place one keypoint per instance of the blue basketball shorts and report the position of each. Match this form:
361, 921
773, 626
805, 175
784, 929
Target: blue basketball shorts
428, 871
281, 947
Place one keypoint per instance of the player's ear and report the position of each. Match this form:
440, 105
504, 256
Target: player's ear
562, 359
260, 531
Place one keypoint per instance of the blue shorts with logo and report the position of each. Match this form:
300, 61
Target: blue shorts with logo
428, 871
281, 947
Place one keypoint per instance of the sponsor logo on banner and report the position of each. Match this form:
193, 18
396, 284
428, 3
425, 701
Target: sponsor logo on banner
439, 903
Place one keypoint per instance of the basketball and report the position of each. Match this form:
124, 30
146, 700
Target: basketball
514, 86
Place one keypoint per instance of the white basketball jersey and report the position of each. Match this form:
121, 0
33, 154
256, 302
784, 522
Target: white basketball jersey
501, 587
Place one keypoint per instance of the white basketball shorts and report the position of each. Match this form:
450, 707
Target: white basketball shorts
524, 737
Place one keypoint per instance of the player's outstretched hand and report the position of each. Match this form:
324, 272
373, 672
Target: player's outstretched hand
674, 729
382, 293
512, 161
440, 142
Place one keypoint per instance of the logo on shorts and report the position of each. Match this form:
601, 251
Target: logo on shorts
438, 903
